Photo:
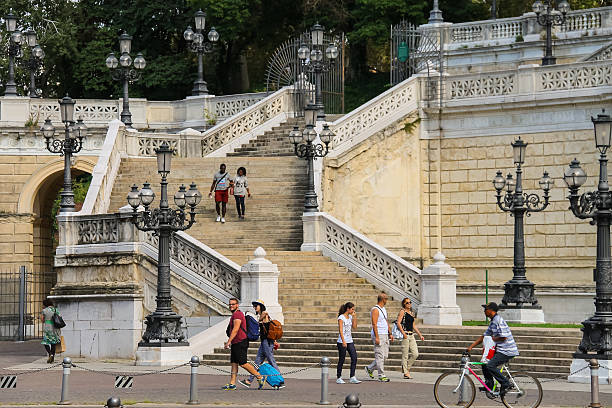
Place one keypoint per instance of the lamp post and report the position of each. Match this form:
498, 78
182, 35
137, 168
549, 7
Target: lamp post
163, 325
34, 62
197, 45
304, 147
121, 71
597, 206
71, 144
14, 51
313, 61
547, 16
519, 290
435, 14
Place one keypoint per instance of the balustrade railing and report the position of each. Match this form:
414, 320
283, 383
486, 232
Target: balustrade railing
200, 265
361, 255
573, 76
230, 105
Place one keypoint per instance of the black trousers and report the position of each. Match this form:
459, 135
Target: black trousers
50, 349
350, 347
240, 204
491, 370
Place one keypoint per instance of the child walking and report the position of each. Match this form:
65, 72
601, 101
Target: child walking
347, 321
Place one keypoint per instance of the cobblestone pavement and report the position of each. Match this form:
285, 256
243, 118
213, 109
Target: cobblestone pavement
172, 388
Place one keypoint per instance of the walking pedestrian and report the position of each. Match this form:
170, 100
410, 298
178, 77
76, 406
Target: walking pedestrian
241, 189
407, 326
381, 335
220, 185
239, 344
505, 348
51, 334
267, 346
347, 322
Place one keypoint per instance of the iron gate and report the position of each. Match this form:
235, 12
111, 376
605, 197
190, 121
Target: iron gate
285, 68
413, 51
21, 296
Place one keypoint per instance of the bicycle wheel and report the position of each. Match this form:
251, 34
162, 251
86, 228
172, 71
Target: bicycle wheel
449, 393
527, 392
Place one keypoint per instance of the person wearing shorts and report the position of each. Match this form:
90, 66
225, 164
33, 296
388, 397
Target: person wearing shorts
220, 185
238, 344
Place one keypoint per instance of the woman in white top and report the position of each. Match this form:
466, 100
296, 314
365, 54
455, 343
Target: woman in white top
347, 321
240, 189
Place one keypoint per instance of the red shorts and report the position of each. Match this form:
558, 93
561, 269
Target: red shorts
221, 195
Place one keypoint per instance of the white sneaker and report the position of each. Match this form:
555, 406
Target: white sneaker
354, 380
340, 381
223, 220
218, 218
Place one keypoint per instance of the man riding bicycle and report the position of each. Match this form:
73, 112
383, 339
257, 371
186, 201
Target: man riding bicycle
505, 348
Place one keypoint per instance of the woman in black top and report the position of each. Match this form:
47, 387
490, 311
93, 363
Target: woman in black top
406, 324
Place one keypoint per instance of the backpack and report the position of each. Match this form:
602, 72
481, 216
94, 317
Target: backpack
275, 330
252, 325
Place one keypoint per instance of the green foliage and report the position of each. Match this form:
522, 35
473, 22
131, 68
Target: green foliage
359, 91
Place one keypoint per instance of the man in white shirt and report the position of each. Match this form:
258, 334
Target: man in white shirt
381, 335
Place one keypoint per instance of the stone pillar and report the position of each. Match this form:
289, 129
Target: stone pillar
313, 230
439, 294
259, 280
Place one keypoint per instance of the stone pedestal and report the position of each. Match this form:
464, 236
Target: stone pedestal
259, 280
101, 325
163, 356
522, 314
583, 375
439, 294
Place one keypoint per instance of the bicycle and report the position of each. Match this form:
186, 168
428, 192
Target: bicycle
456, 389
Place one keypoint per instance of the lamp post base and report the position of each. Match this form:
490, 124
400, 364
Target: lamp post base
522, 314
549, 61
11, 89
163, 330
199, 88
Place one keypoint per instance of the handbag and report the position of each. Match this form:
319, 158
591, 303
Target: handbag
57, 320
62, 345
395, 331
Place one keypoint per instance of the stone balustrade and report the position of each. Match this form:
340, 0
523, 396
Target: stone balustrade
361, 255
200, 111
596, 21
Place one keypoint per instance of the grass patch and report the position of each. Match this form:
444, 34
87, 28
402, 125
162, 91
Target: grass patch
549, 325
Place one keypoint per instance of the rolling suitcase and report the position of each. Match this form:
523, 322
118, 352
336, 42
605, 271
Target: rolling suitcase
273, 377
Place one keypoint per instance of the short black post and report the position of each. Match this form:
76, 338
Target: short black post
66, 364
193, 384
351, 401
594, 365
325, 363
113, 402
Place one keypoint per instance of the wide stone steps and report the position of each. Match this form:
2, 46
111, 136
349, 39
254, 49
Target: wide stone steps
274, 142
544, 352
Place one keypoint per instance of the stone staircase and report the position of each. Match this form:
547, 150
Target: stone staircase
546, 352
272, 143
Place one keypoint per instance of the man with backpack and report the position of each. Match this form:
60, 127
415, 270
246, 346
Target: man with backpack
239, 344
260, 329
381, 335
220, 185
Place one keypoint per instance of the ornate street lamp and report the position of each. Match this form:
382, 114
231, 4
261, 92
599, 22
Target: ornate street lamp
547, 16
163, 325
197, 45
520, 291
121, 71
313, 61
304, 147
34, 62
14, 51
596, 205
72, 143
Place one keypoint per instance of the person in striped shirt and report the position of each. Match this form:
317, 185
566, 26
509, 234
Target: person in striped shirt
505, 347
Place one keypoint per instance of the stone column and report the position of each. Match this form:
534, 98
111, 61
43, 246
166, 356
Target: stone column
439, 294
259, 280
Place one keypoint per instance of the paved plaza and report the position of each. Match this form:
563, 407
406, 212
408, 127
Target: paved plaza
89, 388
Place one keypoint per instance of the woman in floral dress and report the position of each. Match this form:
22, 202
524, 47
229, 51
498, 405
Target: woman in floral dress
51, 334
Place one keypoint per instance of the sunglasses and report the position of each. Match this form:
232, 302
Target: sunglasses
233, 304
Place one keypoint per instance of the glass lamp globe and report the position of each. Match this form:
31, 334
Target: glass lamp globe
303, 52
295, 136
47, 129
331, 52
146, 194
213, 35
139, 61
499, 182
564, 7
510, 183
188, 34
537, 7
38, 52
546, 182
316, 55
112, 61
133, 197
179, 197
326, 134
193, 196
125, 60
574, 176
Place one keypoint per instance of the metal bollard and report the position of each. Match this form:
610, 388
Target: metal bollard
594, 364
351, 401
113, 402
193, 384
325, 363
66, 363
